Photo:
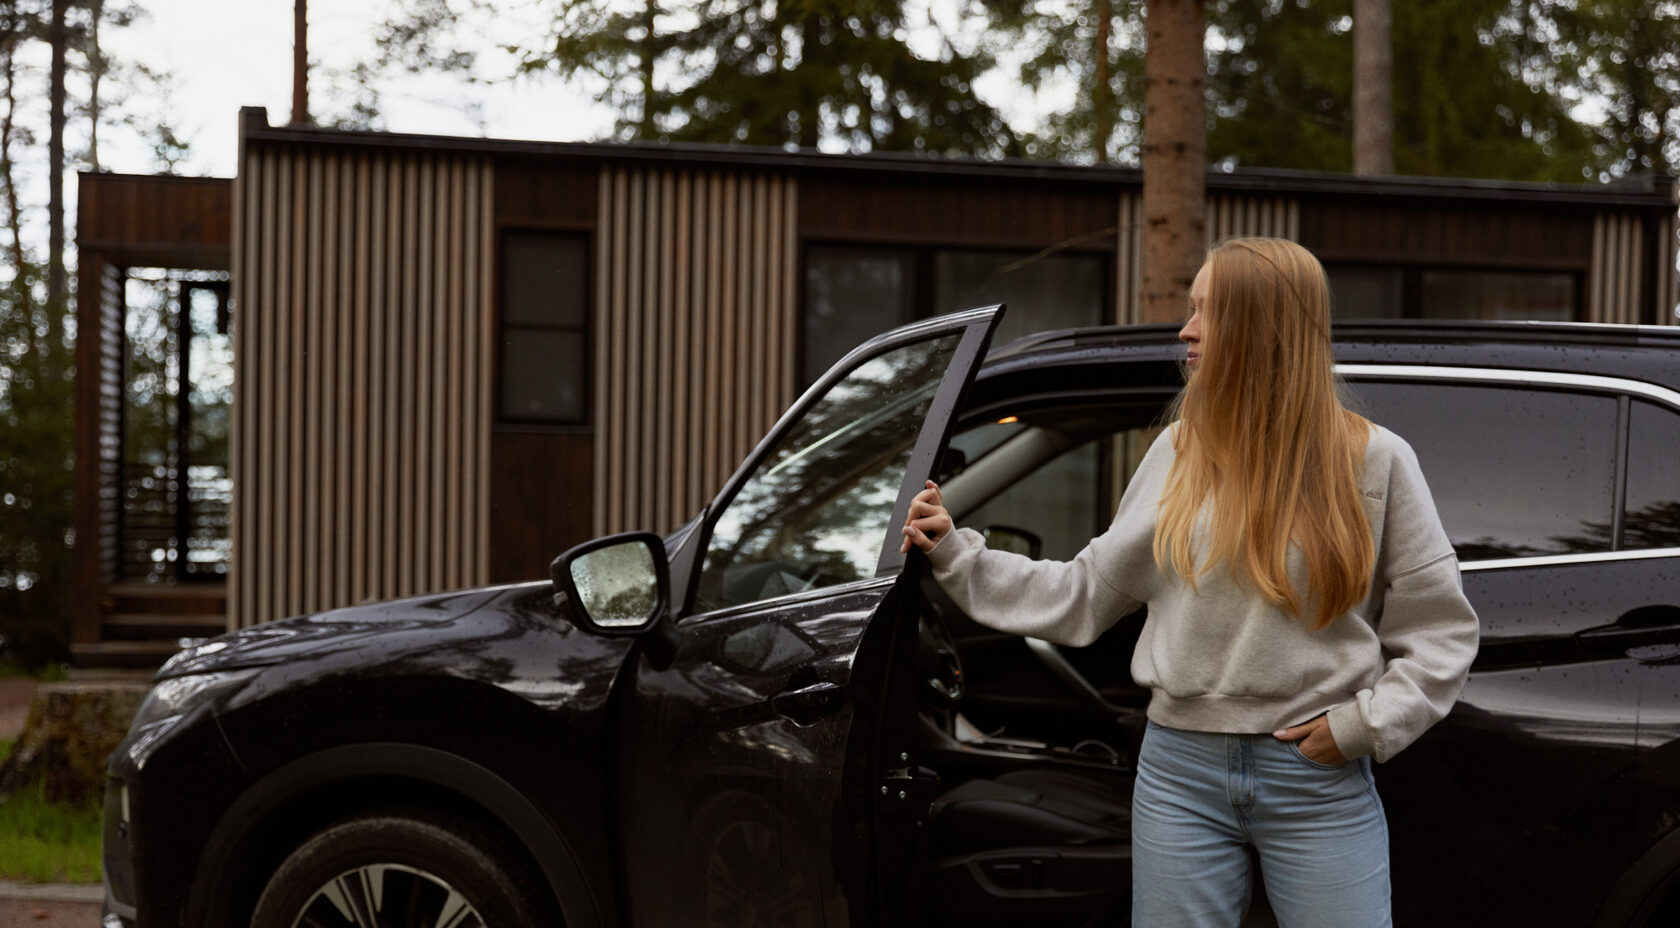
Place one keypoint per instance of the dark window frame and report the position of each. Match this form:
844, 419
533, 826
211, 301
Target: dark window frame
1411, 283
924, 276
500, 420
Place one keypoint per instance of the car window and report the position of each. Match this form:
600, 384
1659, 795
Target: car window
1653, 478
1514, 471
1067, 470
815, 511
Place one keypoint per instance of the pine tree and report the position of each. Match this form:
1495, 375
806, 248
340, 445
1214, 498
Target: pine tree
1467, 101
1623, 56
791, 73
1174, 156
37, 364
1100, 46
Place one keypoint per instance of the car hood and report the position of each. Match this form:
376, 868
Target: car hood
312, 635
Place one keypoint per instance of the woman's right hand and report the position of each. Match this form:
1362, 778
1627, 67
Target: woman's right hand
927, 522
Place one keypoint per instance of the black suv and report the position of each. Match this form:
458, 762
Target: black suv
771, 717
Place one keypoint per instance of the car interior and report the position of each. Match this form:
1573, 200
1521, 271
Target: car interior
1034, 744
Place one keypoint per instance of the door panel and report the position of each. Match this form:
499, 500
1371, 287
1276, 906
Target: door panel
1514, 809
732, 803
1491, 810
752, 768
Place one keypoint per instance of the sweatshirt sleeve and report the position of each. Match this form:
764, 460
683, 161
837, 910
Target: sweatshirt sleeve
1066, 602
1427, 628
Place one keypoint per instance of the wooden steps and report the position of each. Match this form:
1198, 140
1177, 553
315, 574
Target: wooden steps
122, 655
143, 623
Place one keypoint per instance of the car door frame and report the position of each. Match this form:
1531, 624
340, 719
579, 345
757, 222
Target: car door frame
980, 324
874, 872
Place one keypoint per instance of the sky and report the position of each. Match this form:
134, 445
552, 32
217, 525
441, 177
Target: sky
225, 54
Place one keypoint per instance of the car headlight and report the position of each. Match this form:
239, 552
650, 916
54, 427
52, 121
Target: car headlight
173, 699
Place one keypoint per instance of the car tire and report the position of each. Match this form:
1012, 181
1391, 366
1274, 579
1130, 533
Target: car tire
401, 867
744, 874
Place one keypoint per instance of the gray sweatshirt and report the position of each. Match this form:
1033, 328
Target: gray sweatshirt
1220, 658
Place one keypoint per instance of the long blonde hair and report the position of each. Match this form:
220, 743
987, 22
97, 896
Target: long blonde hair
1264, 441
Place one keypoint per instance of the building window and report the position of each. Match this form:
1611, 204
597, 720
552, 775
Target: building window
1044, 292
545, 332
852, 294
1364, 292
1497, 295
855, 292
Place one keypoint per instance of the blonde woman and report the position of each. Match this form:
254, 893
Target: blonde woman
1305, 611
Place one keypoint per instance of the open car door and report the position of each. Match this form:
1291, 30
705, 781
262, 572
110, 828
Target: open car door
767, 775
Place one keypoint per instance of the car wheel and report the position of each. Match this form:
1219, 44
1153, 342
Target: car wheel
394, 868
747, 876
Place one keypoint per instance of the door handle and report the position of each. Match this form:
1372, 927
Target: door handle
1648, 634
806, 704
1644, 624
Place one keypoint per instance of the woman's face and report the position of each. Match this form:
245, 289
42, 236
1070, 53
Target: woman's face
1192, 334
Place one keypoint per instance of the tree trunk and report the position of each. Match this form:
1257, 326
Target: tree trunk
72, 728
59, 37
649, 11
300, 62
1373, 66
1102, 95
96, 71
809, 108
14, 211
1174, 156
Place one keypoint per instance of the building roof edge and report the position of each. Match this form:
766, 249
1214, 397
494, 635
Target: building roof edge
1637, 191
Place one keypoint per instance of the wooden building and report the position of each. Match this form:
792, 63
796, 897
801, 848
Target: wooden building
456, 357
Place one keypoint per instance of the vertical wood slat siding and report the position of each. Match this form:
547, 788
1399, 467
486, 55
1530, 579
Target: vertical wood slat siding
694, 334
1618, 254
1128, 259
1237, 215
1228, 216
1667, 279
361, 411
108, 412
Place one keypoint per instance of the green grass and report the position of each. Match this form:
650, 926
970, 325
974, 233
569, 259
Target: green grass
47, 842
49, 673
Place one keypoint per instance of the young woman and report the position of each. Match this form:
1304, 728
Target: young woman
1305, 612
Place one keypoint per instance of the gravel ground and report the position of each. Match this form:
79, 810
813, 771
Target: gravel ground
23, 913
15, 693
48, 906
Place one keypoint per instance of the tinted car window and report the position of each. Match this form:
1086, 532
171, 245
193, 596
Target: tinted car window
816, 510
1653, 478
1514, 472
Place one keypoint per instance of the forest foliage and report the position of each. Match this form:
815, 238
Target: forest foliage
1541, 90
37, 325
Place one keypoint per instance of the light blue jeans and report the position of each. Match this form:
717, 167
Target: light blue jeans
1201, 798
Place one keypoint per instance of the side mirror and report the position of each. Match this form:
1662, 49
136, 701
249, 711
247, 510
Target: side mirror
617, 585
1012, 539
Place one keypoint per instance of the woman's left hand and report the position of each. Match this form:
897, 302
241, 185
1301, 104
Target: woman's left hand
1314, 740
927, 522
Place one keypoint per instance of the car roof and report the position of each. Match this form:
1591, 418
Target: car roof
1149, 354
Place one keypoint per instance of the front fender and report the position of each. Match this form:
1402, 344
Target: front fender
209, 903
